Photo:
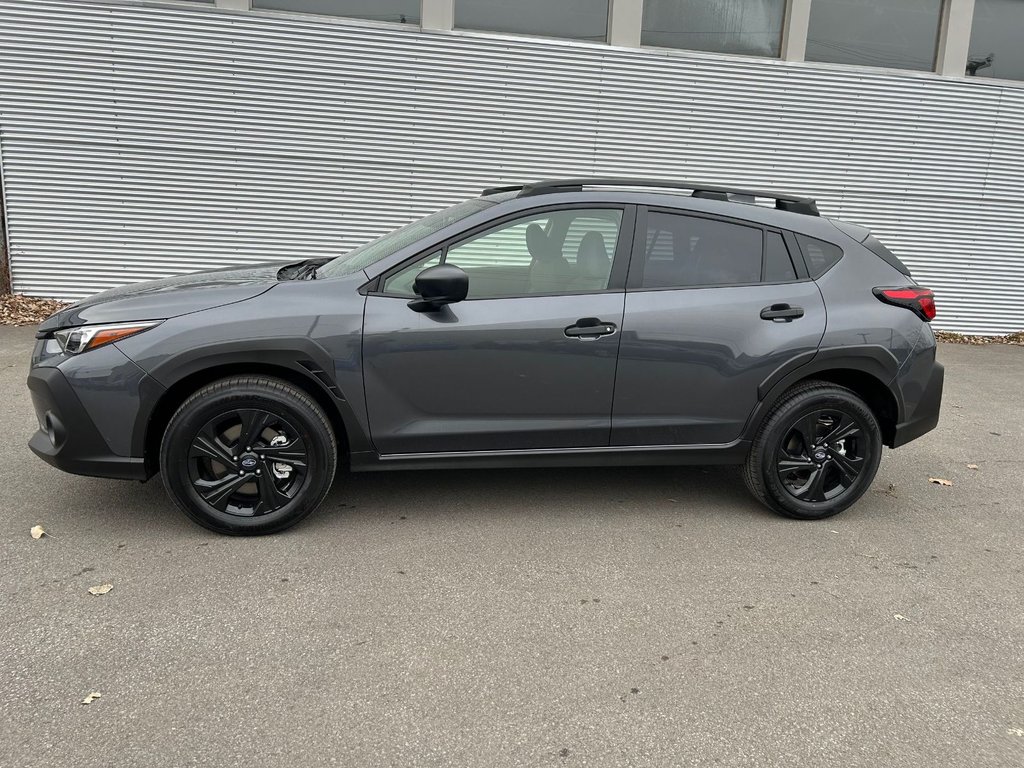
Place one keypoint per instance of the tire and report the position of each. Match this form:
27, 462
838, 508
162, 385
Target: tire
248, 455
816, 452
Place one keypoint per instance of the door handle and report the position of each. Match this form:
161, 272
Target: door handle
587, 328
782, 313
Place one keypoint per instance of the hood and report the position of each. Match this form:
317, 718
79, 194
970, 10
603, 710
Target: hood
169, 297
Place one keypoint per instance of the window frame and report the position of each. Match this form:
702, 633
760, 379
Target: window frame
634, 280
620, 254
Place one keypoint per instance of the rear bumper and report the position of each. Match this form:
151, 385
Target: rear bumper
926, 415
67, 438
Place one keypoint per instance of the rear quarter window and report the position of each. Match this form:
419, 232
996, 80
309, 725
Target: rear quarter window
819, 255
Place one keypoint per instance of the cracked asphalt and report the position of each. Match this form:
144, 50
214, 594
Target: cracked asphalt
562, 617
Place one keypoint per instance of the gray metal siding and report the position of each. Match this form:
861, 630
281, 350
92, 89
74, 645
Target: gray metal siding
139, 141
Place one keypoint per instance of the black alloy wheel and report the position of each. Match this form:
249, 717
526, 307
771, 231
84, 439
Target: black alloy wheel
816, 453
248, 462
822, 455
248, 455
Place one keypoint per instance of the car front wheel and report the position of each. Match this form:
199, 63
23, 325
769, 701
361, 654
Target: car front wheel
816, 453
248, 455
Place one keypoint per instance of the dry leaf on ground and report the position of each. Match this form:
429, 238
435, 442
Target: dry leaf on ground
26, 310
972, 466
939, 481
102, 589
900, 617
91, 697
965, 338
37, 532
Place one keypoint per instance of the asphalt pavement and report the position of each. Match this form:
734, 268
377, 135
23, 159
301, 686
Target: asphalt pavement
559, 617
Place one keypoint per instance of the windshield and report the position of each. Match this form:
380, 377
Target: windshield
393, 242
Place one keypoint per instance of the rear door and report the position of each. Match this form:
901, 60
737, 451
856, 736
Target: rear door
713, 307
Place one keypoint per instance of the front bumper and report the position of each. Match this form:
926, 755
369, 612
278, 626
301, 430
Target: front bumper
67, 437
926, 415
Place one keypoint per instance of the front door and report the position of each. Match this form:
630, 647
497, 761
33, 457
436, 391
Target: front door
527, 361
714, 307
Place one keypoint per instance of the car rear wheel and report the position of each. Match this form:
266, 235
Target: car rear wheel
816, 453
248, 455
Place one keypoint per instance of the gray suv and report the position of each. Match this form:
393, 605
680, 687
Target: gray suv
564, 322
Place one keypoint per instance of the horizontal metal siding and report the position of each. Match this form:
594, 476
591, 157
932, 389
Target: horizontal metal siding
144, 141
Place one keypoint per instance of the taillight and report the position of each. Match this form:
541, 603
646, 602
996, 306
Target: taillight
919, 300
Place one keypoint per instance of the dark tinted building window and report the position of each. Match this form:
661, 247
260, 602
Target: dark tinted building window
684, 251
996, 36
902, 34
752, 27
404, 11
819, 255
574, 19
778, 266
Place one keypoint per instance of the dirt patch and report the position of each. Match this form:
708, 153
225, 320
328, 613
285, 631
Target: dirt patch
26, 310
1016, 339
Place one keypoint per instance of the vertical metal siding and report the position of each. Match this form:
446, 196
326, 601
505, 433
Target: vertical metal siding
143, 141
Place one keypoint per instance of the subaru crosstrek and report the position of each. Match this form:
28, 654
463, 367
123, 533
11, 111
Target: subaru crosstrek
564, 322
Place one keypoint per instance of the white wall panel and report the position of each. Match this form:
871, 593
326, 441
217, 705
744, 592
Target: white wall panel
140, 141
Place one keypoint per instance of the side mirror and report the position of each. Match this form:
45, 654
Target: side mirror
437, 286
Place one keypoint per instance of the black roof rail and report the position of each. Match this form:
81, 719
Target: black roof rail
783, 201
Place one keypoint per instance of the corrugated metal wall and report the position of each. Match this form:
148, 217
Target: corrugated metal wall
143, 141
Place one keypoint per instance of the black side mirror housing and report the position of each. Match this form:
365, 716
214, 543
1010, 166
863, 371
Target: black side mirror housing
437, 286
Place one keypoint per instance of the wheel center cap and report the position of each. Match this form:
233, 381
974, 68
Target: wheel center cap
248, 461
819, 455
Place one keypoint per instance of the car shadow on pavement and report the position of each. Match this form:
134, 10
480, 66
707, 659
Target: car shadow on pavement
587, 491
368, 497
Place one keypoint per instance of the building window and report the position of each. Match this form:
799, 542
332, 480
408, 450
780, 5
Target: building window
752, 27
402, 11
996, 36
902, 34
574, 19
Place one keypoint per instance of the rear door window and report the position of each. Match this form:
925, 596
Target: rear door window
688, 251
778, 266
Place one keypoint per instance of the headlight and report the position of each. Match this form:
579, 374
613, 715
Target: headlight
76, 340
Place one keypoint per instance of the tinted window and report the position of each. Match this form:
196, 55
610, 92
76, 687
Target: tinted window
995, 40
404, 11
819, 255
579, 19
684, 251
752, 27
778, 266
567, 251
902, 34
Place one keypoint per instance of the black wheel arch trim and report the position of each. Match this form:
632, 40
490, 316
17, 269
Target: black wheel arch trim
871, 359
302, 358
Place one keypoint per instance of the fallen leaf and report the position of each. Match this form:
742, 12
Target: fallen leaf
900, 617
972, 466
37, 532
939, 481
91, 697
1015, 731
102, 589
26, 310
